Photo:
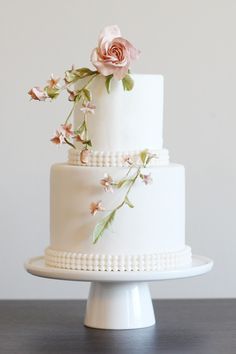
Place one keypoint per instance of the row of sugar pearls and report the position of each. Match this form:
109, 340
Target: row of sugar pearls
63, 255
106, 263
122, 268
110, 268
50, 252
72, 255
122, 263
102, 268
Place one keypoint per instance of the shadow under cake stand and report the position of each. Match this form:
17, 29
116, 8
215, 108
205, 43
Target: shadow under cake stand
119, 300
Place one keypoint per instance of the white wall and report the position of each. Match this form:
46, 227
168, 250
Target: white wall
192, 43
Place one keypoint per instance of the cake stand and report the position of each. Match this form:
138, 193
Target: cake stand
118, 300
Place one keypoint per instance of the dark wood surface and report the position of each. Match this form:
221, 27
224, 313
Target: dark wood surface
56, 327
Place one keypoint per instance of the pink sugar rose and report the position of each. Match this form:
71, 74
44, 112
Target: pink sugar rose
114, 53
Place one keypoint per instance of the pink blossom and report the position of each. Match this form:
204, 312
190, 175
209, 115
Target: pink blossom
107, 182
53, 83
66, 129
38, 94
147, 179
78, 138
95, 207
72, 95
127, 159
88, 107
58, 139
84, 156
113, 54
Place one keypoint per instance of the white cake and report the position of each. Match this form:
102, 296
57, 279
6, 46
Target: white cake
148, 237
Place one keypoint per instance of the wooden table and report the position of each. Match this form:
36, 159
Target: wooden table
56, 327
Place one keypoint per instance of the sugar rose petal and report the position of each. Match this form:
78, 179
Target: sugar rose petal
114, 54
109, 32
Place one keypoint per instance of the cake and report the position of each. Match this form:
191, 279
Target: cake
97, 221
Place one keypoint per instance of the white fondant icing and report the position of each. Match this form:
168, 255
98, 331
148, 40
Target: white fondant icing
108, 262
150, 236
155, 225
126, 120
116, 159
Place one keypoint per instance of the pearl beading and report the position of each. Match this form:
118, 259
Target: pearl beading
116, 159
106, 262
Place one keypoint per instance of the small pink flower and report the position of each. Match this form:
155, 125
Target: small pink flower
58, 139
95, 207
147, 179
38, 94
88, 107
72, 95
107, 182
66, 128
84, 156
78, 138
114, 54
127, 159
53, 83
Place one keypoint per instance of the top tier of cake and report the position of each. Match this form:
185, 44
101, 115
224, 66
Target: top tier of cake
126, 121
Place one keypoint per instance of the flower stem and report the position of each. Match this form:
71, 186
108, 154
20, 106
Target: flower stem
129, 189
90, 80
71, 111
75, 102
69, 143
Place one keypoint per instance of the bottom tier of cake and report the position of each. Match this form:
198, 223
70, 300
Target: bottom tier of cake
147, 237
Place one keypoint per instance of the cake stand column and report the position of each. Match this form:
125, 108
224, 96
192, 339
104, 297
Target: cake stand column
119, 305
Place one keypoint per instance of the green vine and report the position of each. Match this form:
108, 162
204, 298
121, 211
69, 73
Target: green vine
126, 182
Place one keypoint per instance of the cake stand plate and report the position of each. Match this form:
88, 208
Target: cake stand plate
119, 300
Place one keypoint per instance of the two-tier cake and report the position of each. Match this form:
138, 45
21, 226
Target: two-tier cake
118, 205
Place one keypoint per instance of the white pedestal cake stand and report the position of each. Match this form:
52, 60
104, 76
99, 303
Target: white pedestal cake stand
118, 300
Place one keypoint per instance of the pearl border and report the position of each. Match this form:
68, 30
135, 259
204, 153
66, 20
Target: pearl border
116, 159
106, 262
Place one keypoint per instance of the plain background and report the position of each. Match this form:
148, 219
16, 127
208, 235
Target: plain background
192, 43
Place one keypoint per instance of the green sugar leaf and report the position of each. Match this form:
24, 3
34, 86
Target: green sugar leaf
81, 128
128, 202
87, 142
143, 156
70, 76
52, 92
123, 182
102, 226
87, 94
108, 83
83, 72
128, 83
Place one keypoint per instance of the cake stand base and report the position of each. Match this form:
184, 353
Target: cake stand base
119, 305
119, 300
